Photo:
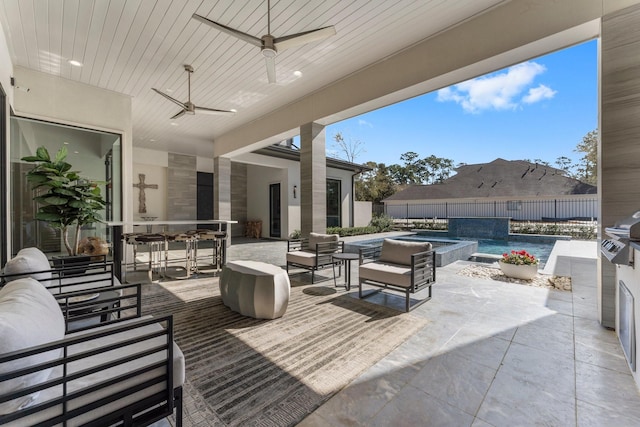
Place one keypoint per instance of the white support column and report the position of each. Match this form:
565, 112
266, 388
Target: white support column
313, 179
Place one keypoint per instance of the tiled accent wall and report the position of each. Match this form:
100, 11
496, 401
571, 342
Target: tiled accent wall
182, 185
486, 228
238, 197
619, 168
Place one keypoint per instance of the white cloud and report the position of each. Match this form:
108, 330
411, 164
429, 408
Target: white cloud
501, 91
538, 94
364, 123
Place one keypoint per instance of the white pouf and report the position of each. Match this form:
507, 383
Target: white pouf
255, 289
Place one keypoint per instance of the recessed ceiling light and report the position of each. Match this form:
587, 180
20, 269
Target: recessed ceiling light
76, 152
233, 110
297, 73
75, 63
65, 143
169, 90
174, 124
152, 140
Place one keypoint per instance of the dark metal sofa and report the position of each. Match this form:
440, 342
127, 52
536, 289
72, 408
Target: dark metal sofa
116, 367
314, 252
407, 267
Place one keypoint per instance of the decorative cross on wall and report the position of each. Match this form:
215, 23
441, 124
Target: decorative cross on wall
142, 201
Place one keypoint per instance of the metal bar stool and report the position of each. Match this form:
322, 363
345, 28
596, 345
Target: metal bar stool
190, 243
156, 244
219, 238
129, 239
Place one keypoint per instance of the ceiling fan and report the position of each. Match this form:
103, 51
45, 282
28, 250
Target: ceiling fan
270, 45
189, 107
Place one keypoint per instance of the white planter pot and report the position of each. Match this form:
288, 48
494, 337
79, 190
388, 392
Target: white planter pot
525, 272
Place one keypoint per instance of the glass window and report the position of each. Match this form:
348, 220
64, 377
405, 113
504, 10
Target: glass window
334, 203
94, 154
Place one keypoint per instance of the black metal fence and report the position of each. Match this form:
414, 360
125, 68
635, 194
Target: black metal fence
582, 210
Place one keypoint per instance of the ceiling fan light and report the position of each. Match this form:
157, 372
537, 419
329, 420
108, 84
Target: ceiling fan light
268, 52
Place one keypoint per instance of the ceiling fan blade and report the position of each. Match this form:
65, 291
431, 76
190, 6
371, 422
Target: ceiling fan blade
231, 31
180, 114
181, 104
271, 69
293, 40
205, 110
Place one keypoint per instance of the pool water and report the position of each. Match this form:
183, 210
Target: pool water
498, 247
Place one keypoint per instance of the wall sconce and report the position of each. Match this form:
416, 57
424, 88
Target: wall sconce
295, 191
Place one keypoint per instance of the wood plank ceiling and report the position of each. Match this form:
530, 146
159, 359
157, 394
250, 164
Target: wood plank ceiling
130, 46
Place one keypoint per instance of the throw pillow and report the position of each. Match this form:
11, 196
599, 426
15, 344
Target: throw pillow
28, 260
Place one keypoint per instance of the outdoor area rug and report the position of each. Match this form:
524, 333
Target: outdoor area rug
244, 371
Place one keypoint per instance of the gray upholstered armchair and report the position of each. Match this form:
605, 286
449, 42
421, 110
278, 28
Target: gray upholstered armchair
407, 267
314, 252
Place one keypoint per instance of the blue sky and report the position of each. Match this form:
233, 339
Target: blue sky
539, 109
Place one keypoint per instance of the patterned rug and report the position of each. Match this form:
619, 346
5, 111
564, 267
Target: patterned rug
244, 371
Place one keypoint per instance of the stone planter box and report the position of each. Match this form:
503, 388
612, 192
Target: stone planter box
525, 272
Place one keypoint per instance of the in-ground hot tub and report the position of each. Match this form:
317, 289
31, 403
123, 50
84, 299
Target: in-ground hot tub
447, 250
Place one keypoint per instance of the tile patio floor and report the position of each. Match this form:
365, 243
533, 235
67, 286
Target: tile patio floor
493, 354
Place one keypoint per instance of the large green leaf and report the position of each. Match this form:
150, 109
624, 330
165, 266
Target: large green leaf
55, 200
61, 154
31, 159
78, 204
64, 191
46, 216
43, 154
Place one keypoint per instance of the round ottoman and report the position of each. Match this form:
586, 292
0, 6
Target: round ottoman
255, 289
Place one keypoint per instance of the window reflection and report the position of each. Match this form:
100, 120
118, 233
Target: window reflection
94, 154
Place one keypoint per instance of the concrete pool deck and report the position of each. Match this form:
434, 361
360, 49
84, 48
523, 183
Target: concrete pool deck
492, 354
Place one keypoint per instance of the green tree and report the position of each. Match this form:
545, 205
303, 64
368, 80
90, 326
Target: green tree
587, 167
428, 170
375, 185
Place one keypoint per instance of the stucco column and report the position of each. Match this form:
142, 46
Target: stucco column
619, 155
222, 188
313, 179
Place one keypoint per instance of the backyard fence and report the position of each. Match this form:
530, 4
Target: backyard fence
520, 210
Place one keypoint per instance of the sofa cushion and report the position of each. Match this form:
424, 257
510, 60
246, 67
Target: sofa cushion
144, 341
28, 260
29, 316
315, 238
399, 252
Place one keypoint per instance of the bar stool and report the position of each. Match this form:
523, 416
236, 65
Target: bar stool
219, 238
128, 239
156, 244
190, 243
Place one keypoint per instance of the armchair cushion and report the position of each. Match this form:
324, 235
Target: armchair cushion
306, 258
399, 252
26, 261
315, 238
395, 274
29, 316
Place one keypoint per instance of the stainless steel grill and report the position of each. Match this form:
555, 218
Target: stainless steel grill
616, 249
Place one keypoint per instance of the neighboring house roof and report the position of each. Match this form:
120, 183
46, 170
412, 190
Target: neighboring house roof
499, 178
284, 152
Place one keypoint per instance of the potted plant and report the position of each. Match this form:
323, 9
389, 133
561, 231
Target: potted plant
69, 201
519, 265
